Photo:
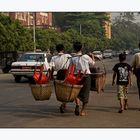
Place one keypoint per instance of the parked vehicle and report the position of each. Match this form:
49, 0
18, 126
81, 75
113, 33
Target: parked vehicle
136, 50
107, 54
98, 54
24, 66
6, 59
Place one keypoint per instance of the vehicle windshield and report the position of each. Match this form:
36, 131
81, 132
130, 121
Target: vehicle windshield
32, 57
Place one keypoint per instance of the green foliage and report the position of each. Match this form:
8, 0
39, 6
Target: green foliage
14, 36
91, 23
125, 33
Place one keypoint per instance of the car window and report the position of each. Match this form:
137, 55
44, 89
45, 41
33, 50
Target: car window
32, 57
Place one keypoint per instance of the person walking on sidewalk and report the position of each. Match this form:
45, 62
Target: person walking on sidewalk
82, 63
136, 69
122, 71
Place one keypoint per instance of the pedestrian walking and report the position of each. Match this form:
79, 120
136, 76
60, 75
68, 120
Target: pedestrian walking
122, 77
59, 64
136, 68
82, 62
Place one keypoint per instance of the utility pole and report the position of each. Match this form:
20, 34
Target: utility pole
34, 24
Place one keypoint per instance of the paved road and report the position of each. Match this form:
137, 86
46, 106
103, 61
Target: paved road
18, 109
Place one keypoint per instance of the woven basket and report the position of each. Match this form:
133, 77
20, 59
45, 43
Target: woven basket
66, 92
98, 82
41, 92
98, 77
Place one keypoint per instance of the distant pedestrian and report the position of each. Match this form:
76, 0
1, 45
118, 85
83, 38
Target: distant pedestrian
136, 68
122, 75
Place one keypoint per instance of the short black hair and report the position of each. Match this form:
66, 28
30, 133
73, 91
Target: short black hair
77, 46
122, 57
60, 47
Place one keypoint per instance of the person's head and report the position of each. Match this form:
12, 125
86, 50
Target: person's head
122, 57
77, 46
60, 47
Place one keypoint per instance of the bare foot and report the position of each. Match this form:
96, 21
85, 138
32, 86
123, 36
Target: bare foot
126, 106
83, 114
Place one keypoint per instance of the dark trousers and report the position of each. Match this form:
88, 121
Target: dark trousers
138, 85
84, 92
137, 73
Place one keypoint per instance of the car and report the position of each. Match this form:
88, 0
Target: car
6, 59
25, 65
98, 54
107, 53
136, 50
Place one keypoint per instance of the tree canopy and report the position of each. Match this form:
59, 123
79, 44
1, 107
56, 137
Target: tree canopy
125, 32
13, 35
16, 37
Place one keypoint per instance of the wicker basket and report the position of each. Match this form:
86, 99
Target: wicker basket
41, 92
98, 78
98, 82
66, 92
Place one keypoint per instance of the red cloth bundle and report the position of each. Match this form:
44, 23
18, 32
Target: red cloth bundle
40, 78
71, 78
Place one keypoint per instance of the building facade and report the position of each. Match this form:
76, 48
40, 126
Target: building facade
42, 19
107, 26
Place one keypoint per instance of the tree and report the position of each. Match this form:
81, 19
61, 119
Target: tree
14, 37
92, 23
124, 32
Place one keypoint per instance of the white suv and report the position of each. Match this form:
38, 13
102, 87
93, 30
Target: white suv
24, 67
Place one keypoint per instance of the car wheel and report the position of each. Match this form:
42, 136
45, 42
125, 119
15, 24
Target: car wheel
17, 79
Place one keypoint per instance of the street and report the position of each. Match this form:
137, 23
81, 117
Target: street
18, 109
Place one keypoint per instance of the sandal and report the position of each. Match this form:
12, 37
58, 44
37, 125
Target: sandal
77, 110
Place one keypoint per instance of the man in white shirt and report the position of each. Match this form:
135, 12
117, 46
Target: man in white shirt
82, 63
60, 61
59, 64
136, 69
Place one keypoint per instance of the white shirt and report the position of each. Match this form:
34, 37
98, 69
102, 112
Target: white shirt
60, 61
82, 62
